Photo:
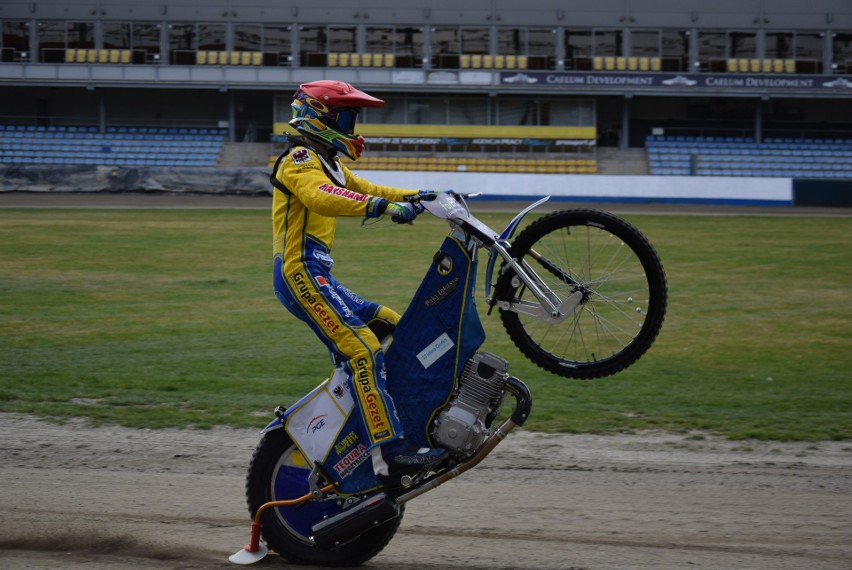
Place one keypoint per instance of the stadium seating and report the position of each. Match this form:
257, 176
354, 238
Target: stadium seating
729, 156
119, 146
626, 63
487, 61
459, 164
98, 56
761, 66
205, 57
342, 59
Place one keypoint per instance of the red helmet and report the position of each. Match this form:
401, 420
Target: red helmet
339, 94
327, 110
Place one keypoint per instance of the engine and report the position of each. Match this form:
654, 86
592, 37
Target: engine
464, 424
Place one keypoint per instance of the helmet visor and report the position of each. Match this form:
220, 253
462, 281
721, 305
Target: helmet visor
346, 119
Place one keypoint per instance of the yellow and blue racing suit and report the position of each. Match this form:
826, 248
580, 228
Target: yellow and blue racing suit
310, 193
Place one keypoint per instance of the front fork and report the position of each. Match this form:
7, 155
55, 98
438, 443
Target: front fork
549, 307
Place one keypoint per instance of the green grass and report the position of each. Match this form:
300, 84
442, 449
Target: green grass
155, 318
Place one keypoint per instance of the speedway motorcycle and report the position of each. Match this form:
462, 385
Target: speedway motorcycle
581, 293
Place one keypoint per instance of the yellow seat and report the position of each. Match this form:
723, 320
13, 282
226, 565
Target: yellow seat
487, 61
621, 63
114, 56
389, 60
522, 62
343, 59
766, 65
464, 61
92, 55
201, 57
609, 63
778, 66
744, 65
754, 65
256, 58
732, 66
332, 59
103, 56
597, 62
499, 61
476, 61
656, 63
355, 59
632, 63
511, 61
245, 58
790, 66
70, 56
234, 57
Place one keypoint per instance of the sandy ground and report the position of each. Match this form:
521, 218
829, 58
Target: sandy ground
74, 496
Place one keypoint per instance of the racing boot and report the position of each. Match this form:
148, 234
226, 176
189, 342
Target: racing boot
401, 456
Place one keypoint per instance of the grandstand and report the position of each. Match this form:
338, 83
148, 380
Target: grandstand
119, 146
728, 156
706, 89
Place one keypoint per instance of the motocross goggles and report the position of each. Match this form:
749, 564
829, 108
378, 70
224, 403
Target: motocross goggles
344, 118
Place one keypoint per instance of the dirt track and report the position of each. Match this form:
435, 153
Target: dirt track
75, 496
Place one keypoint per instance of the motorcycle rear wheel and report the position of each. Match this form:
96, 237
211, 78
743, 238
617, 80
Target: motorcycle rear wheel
278, 471
623, 287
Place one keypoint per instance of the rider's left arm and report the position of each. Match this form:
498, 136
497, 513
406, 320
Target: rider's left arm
364, 186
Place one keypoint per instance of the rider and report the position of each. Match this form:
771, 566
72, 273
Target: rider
312, 188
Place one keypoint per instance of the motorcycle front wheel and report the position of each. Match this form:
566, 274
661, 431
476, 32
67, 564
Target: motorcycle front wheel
614, 272
278, 471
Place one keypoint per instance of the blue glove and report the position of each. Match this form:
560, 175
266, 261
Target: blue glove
403, 212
